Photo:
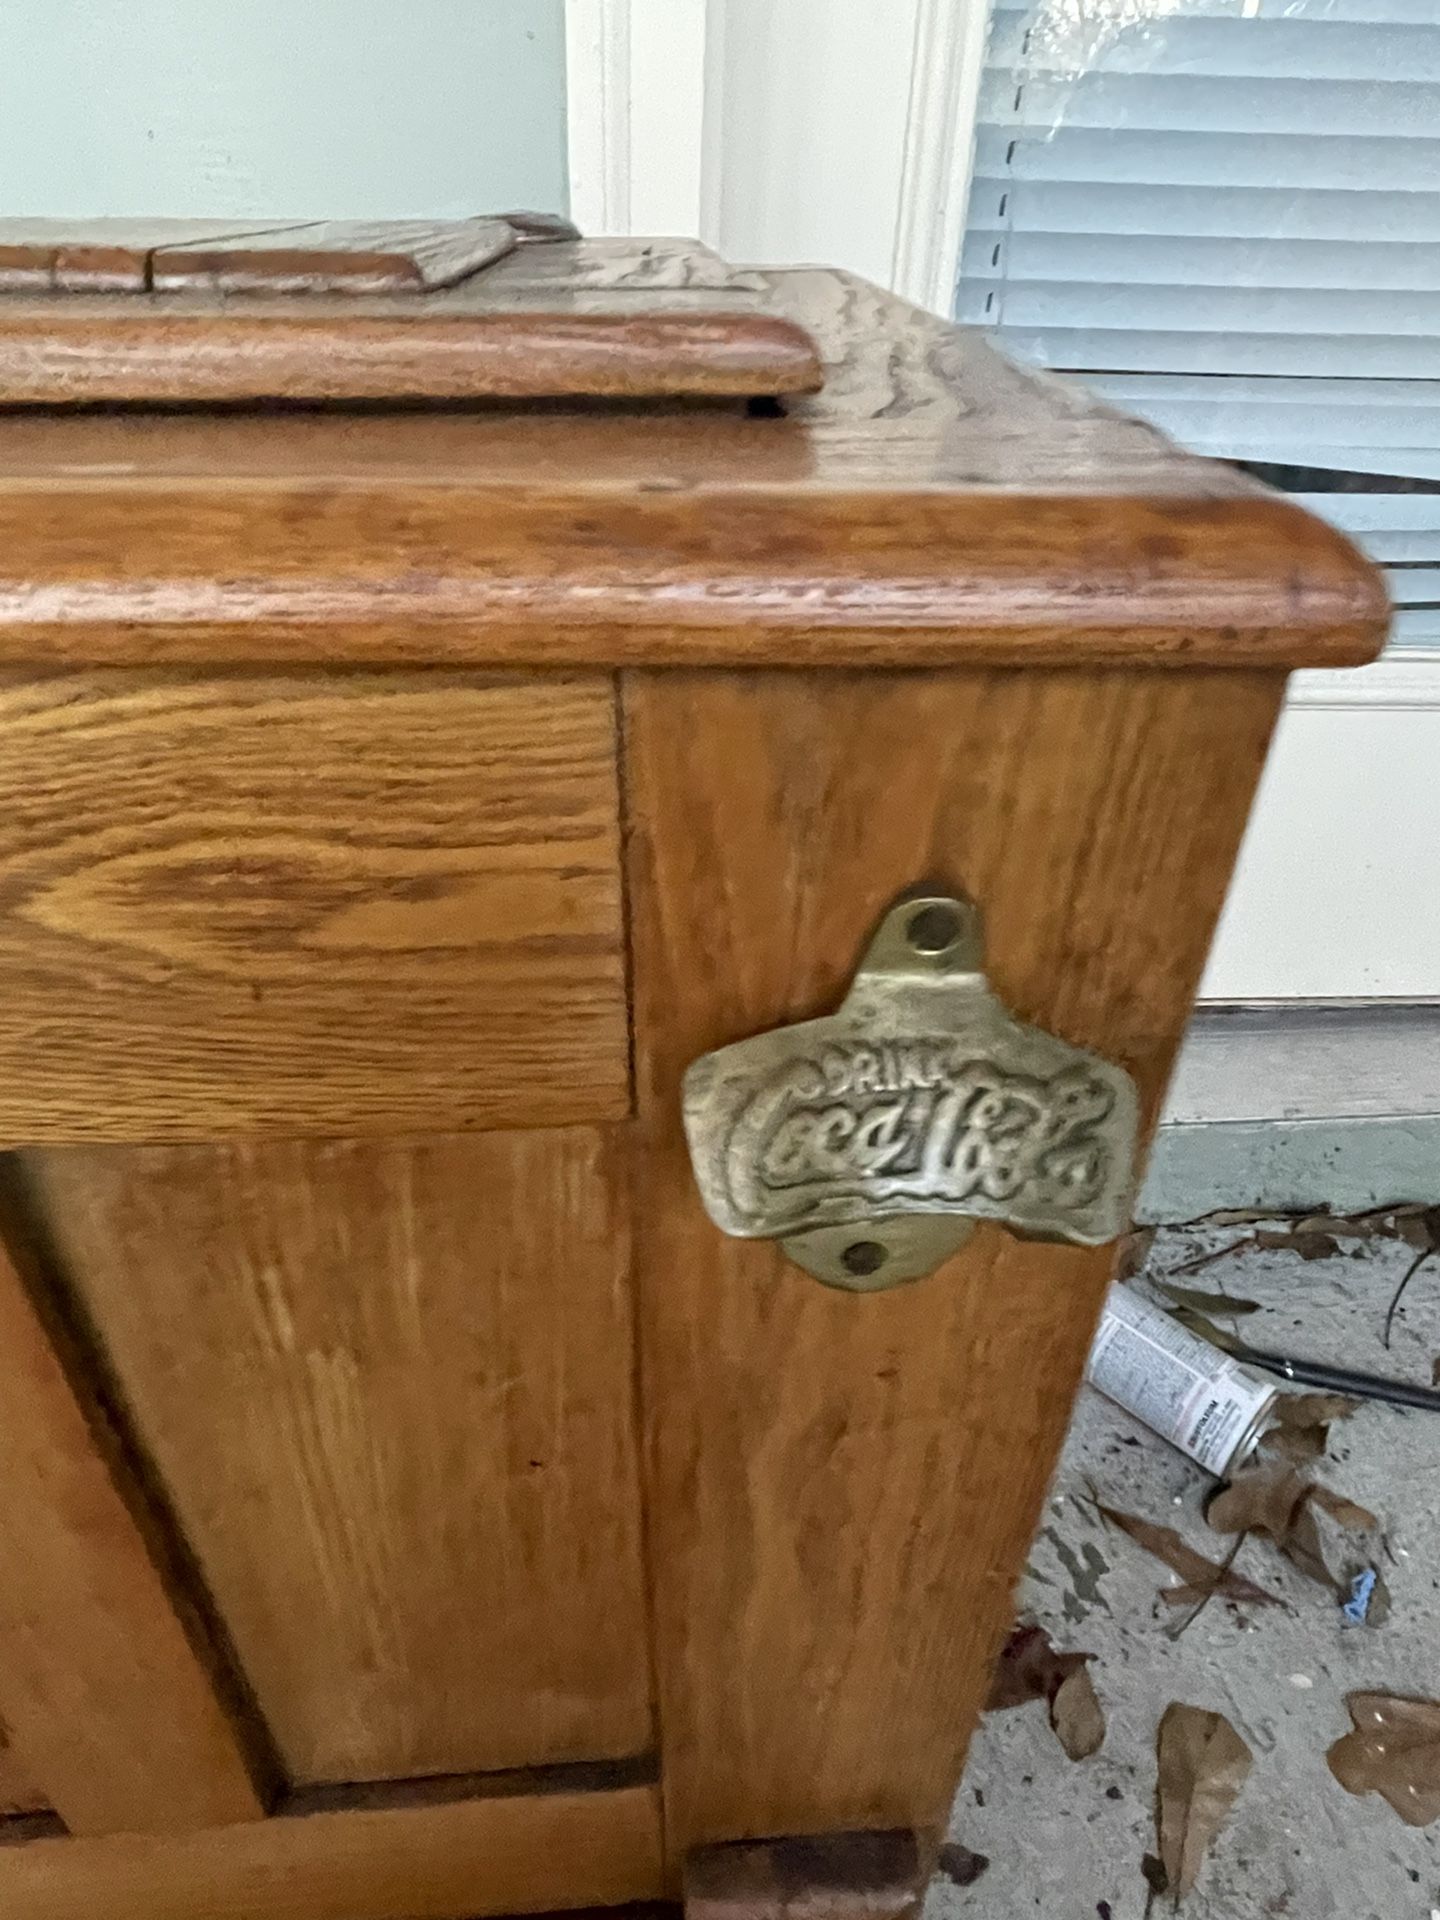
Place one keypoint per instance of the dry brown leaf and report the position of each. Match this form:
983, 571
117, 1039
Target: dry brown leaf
1264, 1497
1302, 1424
1319, 1531
1308, 1242
1394, 1750
1030, 1668
1077, 1716
961, 1863
1203, 1763
1312, 1409
1201, 1324
1346, 1513
1200, 1302
1421, 1229
1207, 1576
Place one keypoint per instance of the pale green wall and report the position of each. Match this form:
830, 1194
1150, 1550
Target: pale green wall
344, 108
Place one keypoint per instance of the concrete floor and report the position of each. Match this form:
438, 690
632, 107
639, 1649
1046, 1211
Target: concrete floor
1066, 1838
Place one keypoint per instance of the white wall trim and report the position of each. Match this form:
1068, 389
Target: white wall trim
948, 60
643, 90
597, 85
1405, 677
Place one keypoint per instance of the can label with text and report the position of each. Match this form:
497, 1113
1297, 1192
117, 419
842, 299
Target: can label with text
1178, 1384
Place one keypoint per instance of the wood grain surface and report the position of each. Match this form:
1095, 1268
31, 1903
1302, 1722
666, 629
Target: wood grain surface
334, 256
310, 903
934, 504
388, 1388
108, 1698
842, 1487
395, 310
527, 1854
63, 354
138, 256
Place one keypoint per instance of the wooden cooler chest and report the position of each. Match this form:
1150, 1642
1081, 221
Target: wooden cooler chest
425, 1490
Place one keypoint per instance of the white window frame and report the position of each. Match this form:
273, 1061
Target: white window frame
842, 131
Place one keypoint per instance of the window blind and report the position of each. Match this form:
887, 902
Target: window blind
1226, 215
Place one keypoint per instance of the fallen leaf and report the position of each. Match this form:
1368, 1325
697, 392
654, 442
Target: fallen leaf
1308, 1242
1302, 1424
1312, 1409
1200, 1323
1134, 1252
1203, 1764
1199, 1302
1421, 1229
1030, 1668
1154, 1871
1206, 1576
1435, 1371
1264, 1498
1077, 1716
1394, 1751
1327, 1537
1346, 1513
961, 1864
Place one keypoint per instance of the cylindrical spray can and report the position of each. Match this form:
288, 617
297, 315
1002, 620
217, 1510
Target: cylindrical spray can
1178, 1384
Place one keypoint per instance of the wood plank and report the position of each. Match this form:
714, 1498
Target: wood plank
109, 1700
840, 1876
525, 1854
307, 904
933, 505
334, 256
61, 354
842, 1487
389, 1390
344, 256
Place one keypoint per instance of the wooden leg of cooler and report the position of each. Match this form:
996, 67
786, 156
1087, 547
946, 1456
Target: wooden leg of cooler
810, 1876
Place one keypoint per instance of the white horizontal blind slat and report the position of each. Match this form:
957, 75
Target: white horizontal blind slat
1226, 213
1001, 204
1373, 356
1182, 103
1298, 161
1099, 22
1060, 45
1131, 259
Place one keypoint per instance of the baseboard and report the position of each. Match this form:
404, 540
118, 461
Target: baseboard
1298, 1108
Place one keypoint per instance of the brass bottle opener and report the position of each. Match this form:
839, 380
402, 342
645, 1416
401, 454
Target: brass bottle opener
870, 1141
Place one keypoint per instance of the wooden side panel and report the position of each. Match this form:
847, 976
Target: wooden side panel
842, 1487
307, 904
388, 1387
108, 1699
526, 1854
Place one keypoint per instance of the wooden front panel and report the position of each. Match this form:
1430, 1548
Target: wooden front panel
307, 903
108, 1683
387, 1388
842, 1487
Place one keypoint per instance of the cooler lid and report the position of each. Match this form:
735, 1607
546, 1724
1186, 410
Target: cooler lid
496, 307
